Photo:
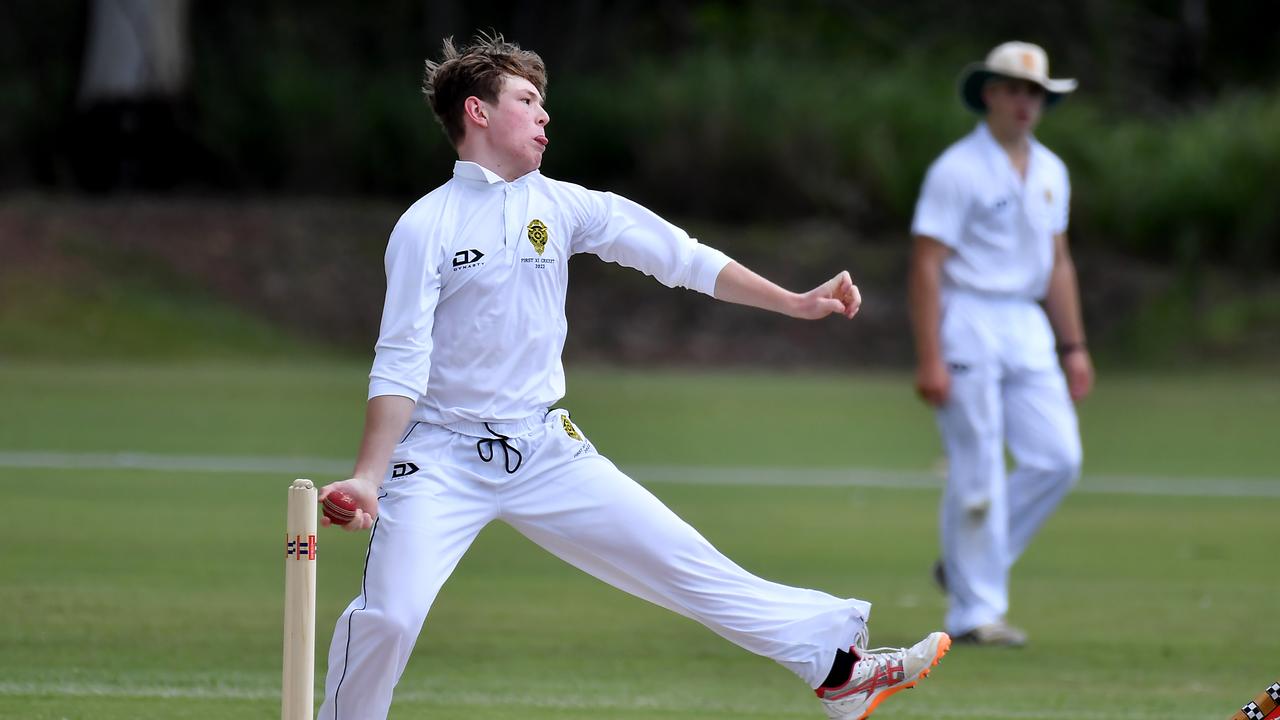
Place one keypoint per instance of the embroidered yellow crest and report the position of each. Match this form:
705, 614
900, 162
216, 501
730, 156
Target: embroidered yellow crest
538, 235
569, 429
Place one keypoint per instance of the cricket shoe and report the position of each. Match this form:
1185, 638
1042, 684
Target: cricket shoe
994, 634
880, 673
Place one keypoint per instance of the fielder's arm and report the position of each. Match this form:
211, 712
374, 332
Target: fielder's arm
737, 284
924, 295
1062, 305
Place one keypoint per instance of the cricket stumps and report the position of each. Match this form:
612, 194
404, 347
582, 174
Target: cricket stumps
297, 699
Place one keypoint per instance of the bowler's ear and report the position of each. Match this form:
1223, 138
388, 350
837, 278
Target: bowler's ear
475, 110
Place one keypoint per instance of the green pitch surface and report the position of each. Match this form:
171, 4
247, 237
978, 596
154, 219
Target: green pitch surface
149, 584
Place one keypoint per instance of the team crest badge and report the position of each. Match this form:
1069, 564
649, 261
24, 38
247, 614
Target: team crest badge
569, 429
1048, 196
538, 235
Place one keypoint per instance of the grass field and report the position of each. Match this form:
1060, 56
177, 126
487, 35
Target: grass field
157, 593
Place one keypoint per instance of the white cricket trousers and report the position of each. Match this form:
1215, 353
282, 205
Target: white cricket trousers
549, 483
1007, 390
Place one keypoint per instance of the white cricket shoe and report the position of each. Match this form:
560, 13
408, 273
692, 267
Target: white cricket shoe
880, 673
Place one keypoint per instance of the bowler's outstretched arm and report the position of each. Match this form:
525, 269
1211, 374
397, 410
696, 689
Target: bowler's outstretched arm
737, 284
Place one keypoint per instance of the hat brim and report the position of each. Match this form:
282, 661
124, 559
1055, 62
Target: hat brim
976, 75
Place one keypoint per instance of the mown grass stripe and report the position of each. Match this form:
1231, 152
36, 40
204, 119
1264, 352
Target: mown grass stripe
574, 702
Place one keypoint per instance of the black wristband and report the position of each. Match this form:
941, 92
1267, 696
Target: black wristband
1065, 349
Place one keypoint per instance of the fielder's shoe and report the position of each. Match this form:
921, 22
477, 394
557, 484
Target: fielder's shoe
880, 673
994, 634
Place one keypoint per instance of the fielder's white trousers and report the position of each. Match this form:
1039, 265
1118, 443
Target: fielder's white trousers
573, 502
1007, 390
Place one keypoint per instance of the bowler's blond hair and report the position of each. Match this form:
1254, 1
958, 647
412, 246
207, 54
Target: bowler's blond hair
477, 69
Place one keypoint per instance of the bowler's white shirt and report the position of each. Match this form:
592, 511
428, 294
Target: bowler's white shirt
1000, 226
473, 324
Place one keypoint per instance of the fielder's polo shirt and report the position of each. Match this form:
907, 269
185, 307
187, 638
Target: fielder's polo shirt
1000, 226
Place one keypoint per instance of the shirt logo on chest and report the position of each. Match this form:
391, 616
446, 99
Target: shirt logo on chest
537, 232
466, 259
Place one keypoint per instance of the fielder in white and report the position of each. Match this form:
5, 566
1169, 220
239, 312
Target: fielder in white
990, 245
460, 429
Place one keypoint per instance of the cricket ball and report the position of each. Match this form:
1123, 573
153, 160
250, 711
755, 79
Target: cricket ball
339, 507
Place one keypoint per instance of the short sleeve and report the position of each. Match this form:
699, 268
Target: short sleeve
941, 207
1064, 212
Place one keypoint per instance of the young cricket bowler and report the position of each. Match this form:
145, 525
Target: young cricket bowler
990, 243
460, 427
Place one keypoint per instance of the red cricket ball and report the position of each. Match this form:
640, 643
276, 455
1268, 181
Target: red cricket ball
339, 507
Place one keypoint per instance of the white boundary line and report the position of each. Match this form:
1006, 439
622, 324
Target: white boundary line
1237, 487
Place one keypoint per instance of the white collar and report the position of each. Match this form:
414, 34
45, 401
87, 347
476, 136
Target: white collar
984, 131
467, 170
999, 159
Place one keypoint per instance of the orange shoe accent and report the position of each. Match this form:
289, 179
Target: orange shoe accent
943, 646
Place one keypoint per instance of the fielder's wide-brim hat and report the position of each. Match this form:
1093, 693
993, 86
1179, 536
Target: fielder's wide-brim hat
1018, 60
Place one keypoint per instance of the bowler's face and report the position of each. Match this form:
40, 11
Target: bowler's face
518, 127
1013, 106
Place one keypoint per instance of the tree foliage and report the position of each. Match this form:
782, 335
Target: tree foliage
825, 107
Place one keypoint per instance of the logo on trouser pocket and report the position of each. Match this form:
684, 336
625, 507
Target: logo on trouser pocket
402, 469
569, 429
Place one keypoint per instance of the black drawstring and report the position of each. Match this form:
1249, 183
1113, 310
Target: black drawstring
487, 444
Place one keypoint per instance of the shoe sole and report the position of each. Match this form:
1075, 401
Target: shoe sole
943, 646
991, 643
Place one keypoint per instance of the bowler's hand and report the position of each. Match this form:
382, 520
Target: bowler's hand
365, 493
933, 382
837, 295
1078, 367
